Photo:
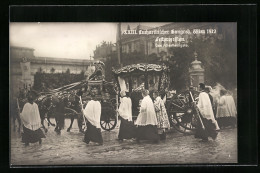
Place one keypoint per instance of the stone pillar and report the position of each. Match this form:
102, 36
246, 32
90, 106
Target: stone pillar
26, 72
196, 73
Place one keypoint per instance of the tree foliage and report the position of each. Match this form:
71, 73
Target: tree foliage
218, 54
43, 81
218, 58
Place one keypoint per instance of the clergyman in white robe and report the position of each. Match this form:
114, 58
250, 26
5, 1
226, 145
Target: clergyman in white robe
226, 111
30, 116
147, 115
147, 121
205, 107
92, 112
207, 117
127, 128
31, 120
125, 108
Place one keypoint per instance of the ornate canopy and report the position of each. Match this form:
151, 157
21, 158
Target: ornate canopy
141, 68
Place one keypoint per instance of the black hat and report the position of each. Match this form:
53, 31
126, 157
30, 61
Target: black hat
33, 93
202, 86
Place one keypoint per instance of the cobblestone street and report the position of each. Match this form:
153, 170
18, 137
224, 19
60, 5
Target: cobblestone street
68, 148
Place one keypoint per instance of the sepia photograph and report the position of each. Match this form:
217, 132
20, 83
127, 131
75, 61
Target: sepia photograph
91, 93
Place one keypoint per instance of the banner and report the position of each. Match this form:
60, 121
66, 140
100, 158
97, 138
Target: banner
26, 70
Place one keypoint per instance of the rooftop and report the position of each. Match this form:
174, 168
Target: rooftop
24, 48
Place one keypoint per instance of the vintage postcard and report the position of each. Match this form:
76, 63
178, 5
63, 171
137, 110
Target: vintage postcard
86, 93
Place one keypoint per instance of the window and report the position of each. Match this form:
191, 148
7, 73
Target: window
130, 47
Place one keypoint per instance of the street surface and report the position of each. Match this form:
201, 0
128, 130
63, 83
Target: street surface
68, 149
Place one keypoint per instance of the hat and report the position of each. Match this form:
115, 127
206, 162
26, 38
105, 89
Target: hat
99, 62
33, 93
208, 88
202, 85
145, 92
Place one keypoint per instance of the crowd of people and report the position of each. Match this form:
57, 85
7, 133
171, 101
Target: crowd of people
151, 124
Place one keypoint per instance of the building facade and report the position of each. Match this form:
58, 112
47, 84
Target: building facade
146, 43
22, 59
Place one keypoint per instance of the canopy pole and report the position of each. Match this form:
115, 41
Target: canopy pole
119, 45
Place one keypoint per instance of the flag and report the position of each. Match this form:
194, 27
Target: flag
26, 70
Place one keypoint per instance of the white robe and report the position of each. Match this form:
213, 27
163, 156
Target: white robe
205, 108
92, 112
226, 107
147, 115
30, 116
125, 108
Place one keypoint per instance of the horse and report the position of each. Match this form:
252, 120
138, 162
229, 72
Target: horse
59, 107
45, 107
73, 109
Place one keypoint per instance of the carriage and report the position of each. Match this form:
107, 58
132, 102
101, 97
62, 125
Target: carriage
74, 97
153, 77
131, 78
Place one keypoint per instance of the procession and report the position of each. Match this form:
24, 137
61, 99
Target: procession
131, 105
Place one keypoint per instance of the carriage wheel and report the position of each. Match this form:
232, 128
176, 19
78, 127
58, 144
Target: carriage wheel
108, 122
182, 114
183, 122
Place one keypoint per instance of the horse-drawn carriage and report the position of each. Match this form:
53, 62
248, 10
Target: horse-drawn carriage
154, 77
72, 96
131, 78
75, 96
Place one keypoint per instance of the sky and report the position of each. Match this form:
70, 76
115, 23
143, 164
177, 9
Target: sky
65, 40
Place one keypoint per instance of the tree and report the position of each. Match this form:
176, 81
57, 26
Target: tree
40, 70
216, 52
52, 70
67, 71
218, 57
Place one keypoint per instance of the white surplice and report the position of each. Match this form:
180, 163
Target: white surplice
125, 108
147, 115
30, 116
205, 108
226, 107
92, 112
